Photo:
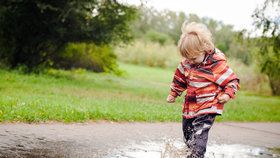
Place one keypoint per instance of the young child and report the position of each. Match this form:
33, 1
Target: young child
209, 83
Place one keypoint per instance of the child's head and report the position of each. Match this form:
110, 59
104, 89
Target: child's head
195, 40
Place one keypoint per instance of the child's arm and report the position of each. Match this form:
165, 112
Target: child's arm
225, 77
178, 84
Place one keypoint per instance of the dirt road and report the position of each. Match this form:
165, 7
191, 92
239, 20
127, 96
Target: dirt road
110, 139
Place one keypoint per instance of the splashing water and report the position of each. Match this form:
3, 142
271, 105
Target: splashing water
177, 149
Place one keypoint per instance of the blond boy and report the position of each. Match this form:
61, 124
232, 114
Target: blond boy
208, 81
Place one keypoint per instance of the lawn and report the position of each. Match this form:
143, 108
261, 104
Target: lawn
138, 95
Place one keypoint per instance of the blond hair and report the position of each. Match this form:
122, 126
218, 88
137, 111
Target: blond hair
195, 39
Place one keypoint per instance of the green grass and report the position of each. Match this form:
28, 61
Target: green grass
78, 96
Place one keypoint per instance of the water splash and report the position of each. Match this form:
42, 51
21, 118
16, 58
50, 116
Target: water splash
177, 149
238, 151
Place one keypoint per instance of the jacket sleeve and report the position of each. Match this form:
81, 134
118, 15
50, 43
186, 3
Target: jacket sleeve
225, 78
178, 85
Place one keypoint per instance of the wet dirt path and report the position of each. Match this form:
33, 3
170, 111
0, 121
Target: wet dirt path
110, 139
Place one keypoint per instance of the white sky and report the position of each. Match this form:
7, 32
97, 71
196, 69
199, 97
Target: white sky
235, 12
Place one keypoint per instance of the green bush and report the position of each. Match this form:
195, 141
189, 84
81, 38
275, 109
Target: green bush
158, 37
87, 56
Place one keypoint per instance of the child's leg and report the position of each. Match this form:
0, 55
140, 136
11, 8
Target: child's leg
187, 129
199, 134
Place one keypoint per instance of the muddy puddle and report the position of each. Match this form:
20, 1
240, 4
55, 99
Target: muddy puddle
134, 140
145, 149
177, 149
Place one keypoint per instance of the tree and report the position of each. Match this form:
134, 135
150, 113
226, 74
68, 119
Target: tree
270, 41
33, 31
161, 22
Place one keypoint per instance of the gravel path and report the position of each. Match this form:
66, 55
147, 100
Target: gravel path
110, 139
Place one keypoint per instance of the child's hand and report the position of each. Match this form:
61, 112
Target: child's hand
170, 99
223, 98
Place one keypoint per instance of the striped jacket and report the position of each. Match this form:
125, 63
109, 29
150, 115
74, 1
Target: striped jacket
204, 83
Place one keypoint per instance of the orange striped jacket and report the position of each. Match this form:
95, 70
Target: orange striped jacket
204, 83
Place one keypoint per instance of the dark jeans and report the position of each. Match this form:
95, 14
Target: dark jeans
195, 132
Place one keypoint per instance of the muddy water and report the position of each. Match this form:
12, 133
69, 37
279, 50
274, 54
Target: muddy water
133, 140
145, 149
176, 149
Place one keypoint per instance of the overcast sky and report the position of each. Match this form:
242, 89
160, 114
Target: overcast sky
235, 12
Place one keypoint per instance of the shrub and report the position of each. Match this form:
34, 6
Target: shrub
158, 37
87, 56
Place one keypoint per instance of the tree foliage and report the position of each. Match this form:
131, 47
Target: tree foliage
33, 31
269, 43
164, 22
169, 23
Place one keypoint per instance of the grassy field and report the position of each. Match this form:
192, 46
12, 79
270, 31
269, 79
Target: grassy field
139, 95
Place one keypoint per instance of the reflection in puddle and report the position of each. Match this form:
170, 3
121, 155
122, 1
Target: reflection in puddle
176, 149
46, 149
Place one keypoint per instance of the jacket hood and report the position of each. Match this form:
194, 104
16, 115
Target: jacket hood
215, 56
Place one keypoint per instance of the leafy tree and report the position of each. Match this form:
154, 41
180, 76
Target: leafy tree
164, 22
33, 31
224, 37
194, 18
269, 43
175, 31
241, 47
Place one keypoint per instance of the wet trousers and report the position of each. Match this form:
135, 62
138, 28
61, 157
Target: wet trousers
195, 132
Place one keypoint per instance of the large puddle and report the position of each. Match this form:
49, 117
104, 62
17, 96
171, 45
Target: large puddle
134, 140
176, 149
145, 149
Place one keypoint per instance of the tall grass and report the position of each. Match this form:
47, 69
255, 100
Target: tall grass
150, 54
166, 56
250, 77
